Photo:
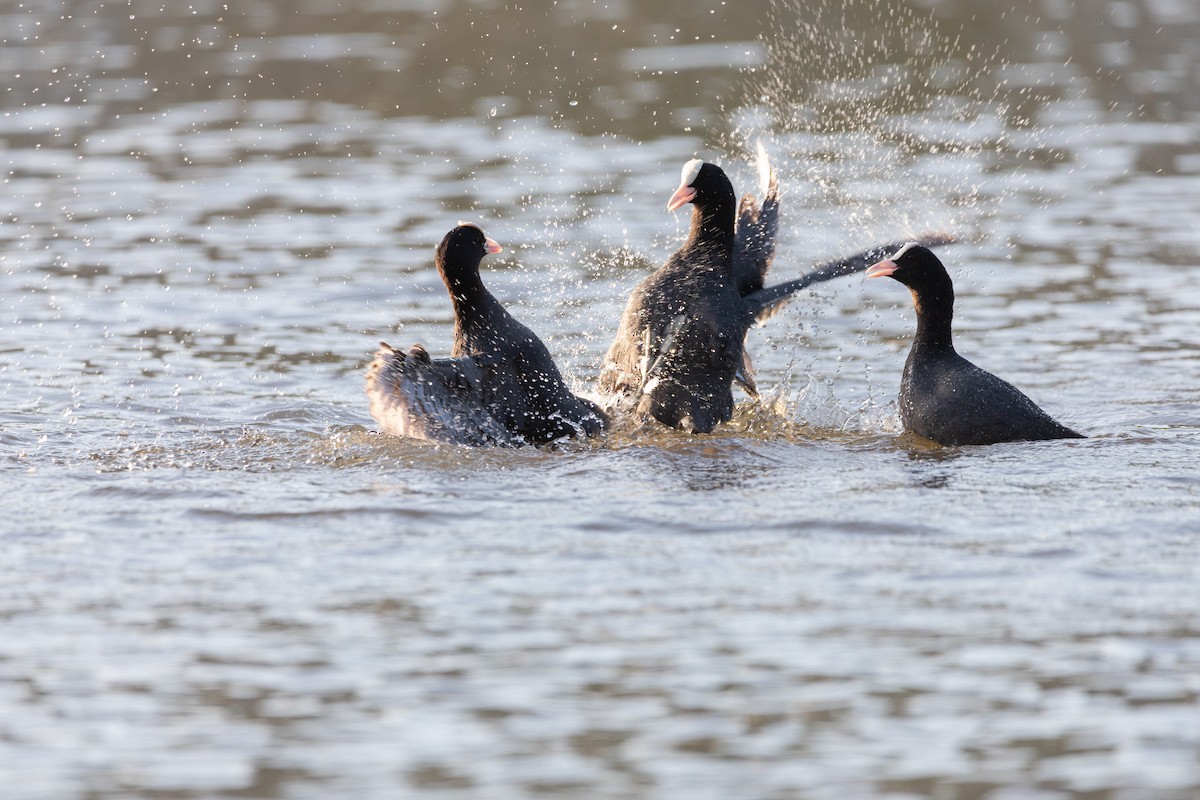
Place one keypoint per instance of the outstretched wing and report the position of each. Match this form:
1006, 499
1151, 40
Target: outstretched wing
765, 303
439, 400
756, 232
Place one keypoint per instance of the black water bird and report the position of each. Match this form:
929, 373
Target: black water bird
499, 387
680, 346
944, 397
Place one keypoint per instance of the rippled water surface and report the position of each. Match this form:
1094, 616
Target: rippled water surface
220, 582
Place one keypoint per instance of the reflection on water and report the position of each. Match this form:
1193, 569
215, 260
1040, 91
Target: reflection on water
224, 584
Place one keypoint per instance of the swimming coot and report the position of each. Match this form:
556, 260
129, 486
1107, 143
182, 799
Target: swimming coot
944, 397
680, 345
499, 387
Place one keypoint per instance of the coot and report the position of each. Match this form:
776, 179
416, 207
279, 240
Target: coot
499, 387
944, 397
680, 345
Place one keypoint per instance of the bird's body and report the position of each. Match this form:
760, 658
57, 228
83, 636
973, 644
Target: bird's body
943, 396
500, 385
949, 400
676, 353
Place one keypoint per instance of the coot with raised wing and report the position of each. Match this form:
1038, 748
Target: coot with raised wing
681, 341
499, 387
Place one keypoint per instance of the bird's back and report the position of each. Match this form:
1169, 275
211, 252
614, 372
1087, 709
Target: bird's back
536, 399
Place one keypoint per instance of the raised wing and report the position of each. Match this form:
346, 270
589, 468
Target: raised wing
438, 400
757, 230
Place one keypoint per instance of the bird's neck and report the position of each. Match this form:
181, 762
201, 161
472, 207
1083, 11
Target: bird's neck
471, 300
713, 225
935, 313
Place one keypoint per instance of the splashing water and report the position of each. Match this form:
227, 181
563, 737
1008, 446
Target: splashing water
223, 583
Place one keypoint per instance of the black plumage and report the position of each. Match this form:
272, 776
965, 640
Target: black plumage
681, 341
500, 385
679, 346
943, 396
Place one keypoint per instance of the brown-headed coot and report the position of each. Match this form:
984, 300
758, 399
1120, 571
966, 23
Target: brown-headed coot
499, 387
944, 397
680, 345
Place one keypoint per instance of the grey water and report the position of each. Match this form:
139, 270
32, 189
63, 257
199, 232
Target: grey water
220, 582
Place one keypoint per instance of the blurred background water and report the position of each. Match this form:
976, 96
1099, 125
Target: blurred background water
220, 583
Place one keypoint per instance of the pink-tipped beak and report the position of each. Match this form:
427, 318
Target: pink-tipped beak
492, 246
882, 269
683, 195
